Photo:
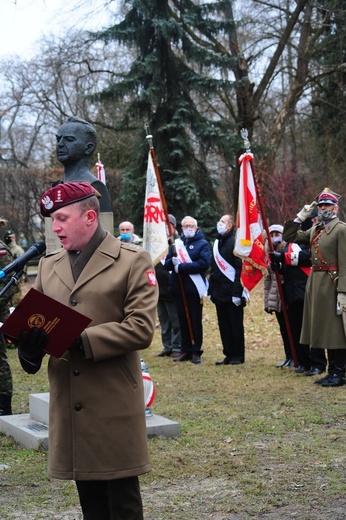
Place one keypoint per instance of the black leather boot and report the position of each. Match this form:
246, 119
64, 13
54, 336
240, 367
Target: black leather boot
5, 405
336, 378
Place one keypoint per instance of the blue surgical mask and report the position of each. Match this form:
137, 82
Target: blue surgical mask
125, 236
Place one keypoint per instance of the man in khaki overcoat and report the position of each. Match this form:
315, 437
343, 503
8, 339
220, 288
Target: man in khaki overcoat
325, 296
97, 429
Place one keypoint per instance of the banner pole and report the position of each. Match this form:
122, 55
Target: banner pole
170, 230
244, 135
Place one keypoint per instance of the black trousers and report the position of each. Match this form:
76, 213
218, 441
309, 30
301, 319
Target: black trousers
195, 308
110, 499
284, 335
231, 326
337, 361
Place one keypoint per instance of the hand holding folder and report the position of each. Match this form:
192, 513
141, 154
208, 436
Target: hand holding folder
62, 324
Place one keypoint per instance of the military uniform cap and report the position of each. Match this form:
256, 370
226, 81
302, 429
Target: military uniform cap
64, 194
328, 196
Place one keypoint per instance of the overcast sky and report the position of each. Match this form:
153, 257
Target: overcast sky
23, 22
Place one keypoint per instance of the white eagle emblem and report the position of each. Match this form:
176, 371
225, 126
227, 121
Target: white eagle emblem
47, 202
151, 277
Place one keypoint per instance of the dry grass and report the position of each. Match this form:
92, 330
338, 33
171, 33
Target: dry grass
256, 441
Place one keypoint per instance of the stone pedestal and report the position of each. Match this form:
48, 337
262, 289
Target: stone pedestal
31, 430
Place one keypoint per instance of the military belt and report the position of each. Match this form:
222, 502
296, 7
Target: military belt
325, 267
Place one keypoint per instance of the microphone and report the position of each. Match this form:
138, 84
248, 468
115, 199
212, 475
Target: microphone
18, 264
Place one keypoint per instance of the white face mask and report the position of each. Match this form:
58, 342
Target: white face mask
189, 233
276, 240
221, 228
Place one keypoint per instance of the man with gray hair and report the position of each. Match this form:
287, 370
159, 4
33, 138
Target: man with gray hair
127, 234
324, 316
188, 261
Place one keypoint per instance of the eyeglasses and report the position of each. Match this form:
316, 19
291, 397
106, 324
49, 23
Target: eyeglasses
190, 226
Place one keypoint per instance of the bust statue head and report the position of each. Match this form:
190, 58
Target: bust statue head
76, 140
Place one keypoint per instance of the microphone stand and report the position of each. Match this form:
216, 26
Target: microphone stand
14, 280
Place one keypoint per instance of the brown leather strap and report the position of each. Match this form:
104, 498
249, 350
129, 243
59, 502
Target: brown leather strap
325, 267
314, 242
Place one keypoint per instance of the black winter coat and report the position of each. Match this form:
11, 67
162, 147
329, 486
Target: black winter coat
294, 277
221, 289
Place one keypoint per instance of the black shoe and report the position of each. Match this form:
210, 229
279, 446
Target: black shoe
286, 363
165, 352
334, 380
314, 372
299, 370
196, 359
322, 379
225, 361
236, 362
183, 357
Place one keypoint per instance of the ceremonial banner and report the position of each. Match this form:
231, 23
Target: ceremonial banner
249, 243
101, 175
154, 226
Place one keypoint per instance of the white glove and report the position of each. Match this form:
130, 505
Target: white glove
341, 303
306, 211
236, 301
176, 260
176, 268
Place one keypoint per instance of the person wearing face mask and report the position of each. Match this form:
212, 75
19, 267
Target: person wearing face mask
272, 300
324, 316
294, 263
188, 261
166, 309
226, 292
127, 234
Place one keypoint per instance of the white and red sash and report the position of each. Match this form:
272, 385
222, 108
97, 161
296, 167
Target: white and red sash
292, 257
226, 268
184, 256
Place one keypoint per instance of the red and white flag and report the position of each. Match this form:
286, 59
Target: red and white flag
101, 175
154, 226
249, 244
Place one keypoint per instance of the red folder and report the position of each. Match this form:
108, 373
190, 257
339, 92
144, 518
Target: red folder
62, 324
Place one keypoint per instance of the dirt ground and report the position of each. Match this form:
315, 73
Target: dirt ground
163, 501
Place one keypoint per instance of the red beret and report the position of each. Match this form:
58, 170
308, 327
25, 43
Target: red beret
64, 194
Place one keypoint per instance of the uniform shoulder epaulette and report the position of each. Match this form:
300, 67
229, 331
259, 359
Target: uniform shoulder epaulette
341, 222
130, 247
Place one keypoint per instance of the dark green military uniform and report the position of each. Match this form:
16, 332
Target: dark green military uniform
5, 303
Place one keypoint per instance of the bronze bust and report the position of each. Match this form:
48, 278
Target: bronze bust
76, 141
